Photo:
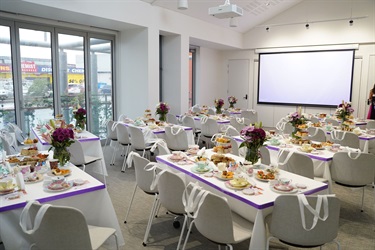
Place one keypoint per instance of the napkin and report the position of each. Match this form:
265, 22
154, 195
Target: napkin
20, 181
213, 166
357, 131
201, 152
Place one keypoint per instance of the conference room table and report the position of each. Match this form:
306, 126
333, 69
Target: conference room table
91, 146
152, 133
198, 119
252, 207
365, 139
91, 198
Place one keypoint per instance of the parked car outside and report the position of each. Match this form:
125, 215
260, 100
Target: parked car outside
106, 89
5, 93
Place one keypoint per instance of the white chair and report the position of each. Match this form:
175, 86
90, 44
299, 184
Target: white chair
123, 139
111, 136
211, 111
370, 124
171, 198
234, 146
188, 121
138, 140
353, 170
314, 119
176, 138
162, 147
172, 119
252, 115
288, 129
143, 180
345, 138
334, 122
215, 221
237, 123
316, 134
265, 155
231, 131
61, 227
196, 109
19, 134
9, 143
209, 128
79, 158
286, 224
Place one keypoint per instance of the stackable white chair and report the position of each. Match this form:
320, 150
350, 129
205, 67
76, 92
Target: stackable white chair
334, 122
345, 138
123, 139
316, 134
290, 224
314, 119
61, 227
211, 111
79, 158
252, 115
176, 138
353, 170
238, 123
138, 140
9, 143
170, 198
111, 136
19, 134
214, 219
209, 128
188, 121
265, 155
172, 119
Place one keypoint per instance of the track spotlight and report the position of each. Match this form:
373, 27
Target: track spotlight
182, 4
307, 26
351, 22
267, 29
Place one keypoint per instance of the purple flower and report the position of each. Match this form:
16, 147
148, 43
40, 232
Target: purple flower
254, 136
162, 108
80, 114
219, 103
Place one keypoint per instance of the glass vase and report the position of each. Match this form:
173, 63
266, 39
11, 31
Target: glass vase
163, 117
252, 155
231, 105
81, 125
218, 110
62, 155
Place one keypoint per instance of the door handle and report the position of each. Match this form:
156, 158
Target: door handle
245, 97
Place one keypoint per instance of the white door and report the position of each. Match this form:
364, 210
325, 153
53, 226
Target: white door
238, 82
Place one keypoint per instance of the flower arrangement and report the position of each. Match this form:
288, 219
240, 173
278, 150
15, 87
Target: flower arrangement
254, 137
232, 100
298, 121
80, 116
60, 139
162, 110
344, 111
219, 103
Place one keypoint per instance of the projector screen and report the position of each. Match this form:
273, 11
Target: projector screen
311, 78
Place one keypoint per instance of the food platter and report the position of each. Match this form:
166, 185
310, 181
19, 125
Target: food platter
51, 187
63, 172
266, 176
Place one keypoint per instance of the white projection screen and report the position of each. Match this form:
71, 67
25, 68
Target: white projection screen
311, 78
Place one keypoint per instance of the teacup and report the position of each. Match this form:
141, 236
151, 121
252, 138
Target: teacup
58, 179
25, 170
335, 147
284, 181
222, 166
201, 165
328, 127
53, 163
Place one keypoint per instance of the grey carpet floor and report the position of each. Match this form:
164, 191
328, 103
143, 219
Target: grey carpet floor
357, 229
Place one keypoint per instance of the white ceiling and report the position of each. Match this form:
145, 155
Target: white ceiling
255, 12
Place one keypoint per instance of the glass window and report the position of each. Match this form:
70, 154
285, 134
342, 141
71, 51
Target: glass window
100, 85
36, 72
7, 113
71, 74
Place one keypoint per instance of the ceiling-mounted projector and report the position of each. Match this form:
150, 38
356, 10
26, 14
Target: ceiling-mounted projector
225, 11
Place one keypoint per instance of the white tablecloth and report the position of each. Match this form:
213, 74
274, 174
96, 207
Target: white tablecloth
252, 207
91, 147
91, 198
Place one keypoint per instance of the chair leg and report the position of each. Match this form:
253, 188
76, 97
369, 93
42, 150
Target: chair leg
338, 244
130, 205
104, 178
268, 242
84, 167
188, 234
363, 198
182, 231
114, 155
125, 157
150, 219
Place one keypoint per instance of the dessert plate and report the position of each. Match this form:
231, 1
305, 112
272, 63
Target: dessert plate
50, 187
197, 170
283, 190
241, 187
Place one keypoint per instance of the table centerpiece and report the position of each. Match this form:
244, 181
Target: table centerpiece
232, 100
219, 103
344, 112
298, 121
80, 116
60, 140
162, 110
254, 137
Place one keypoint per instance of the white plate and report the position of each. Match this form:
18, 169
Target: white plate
174, 158
228, 185
47, 188
220, 177
49, 173
198, 171
295, 190
248, 191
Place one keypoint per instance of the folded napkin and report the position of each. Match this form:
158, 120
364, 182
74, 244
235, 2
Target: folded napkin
20, 181
201, 152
